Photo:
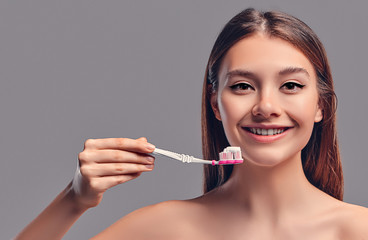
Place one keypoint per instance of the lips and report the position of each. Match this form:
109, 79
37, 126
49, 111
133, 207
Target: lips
266, 134
266, 131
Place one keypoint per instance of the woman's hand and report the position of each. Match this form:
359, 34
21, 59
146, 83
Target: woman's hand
105, 163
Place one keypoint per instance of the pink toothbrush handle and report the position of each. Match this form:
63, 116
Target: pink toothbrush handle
221, 162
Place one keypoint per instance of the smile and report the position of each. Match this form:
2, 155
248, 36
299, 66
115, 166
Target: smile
266, 135
266, 132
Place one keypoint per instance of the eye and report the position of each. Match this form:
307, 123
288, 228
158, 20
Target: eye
241, 87
292, 86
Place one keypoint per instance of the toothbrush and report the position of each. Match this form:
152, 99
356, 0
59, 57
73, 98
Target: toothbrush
230, 155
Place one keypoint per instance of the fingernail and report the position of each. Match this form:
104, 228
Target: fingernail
150, 159
149, 146
149, 166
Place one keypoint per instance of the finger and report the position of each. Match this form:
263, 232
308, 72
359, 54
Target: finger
101, 184
114, 156
143, 139
113, 169
120, 143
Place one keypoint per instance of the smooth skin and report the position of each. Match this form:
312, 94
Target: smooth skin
266, 197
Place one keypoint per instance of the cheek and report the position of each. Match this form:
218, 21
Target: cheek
303, 112
232, 108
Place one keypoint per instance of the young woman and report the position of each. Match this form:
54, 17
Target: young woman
268, 89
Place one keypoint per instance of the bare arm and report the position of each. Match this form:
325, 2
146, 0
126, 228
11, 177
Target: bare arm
56, 219
104, 163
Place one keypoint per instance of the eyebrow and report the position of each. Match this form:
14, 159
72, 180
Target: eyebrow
290, 70
241, 73
251, 75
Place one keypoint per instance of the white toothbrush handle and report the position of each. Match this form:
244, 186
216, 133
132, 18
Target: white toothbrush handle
180, 157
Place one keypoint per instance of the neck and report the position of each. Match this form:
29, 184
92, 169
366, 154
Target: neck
271, 192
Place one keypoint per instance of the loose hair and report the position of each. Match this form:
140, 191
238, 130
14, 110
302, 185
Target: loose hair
320, 157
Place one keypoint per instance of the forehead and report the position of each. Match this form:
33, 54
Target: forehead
264, 55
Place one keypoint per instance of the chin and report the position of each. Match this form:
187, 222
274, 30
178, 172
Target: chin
269, 159
264, 162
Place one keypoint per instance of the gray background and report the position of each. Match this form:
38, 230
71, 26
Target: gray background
73, 70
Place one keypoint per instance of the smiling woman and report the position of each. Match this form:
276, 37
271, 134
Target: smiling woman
267, 89
294, 50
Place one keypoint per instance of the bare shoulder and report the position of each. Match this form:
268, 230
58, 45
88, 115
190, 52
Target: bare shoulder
165, 220
353, 220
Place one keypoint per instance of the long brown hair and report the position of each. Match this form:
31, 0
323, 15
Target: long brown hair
320, 157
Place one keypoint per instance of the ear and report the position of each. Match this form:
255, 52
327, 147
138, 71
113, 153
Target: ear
214, 106
319, 114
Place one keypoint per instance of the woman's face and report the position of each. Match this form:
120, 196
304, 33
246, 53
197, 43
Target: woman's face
267, 99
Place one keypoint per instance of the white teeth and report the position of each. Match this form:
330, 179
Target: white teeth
266, 132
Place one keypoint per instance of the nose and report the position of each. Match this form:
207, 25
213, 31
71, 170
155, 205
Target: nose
267, 106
